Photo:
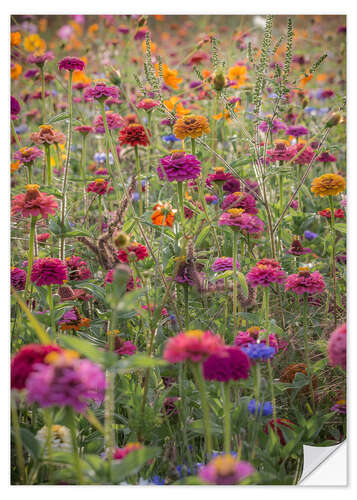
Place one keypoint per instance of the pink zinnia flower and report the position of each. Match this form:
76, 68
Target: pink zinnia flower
240, 200
305, 157
71, 64
195, 345
305, 282
225, 470
100, 92
99, 186
77, 269
179, 166
33, 203
40, 59
123, 347
147, 104
48, 271
41, 238
66, 382
231, 364
265, 272
326, 157
121, 453
281, 152
237, 218
337, 347
297, 248
219, 177
84, 129
138, 251
27, 155
223, 264
114, 121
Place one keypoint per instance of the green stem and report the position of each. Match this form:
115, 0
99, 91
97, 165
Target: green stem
333, 258
227, 417
50, 304
72, 428
235, 280
267, 328
18, 442
48, 419
43, 94
29, 173
66, 167
83, 169
48, 164
197, 373
185, 291
307, 351
138, 173
100, 213
16, 137
180, 200
193, 146
30, 254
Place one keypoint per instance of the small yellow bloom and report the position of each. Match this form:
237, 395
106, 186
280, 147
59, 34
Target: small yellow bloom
174, 102
34, 43
194, 333
238, 74
236, 211
169, 75
328, 185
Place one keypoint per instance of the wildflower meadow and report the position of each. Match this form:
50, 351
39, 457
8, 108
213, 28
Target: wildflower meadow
178, 247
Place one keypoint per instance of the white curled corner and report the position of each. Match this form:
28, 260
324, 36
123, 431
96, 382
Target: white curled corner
325, 465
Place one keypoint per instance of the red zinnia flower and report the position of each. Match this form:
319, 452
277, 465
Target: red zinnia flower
134, 135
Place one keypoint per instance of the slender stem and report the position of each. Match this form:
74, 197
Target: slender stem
83, 169
267, 328
197, 373
227, 417
307, 351
30, 254
72, 428
185, 291
66, 167
16, 137
100, 213
138, 173
43, 94
29, 173
333, 258
235, 280
18, 442
48, 164
180, 200
193, 145
50, 304
48, 419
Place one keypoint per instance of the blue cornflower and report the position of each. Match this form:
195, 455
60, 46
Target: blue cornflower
157, 480
171, 138
266, 411
259, 351
21, 129
309, 235
102, 158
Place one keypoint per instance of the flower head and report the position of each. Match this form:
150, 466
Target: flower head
33, 203
237, 76
48, 271
121, 453
147, 104
305, 282
195, 345
134, 250
337, 347
114, 121
309, 235
297, 248
39, 58
15, 108
191, 126
169, 75
240, 200
219, 177
296, 130
84, 129
66, 381
122, 347
27, 155
134, 135
259, 352
60, 438
179, 166
163, 215
18, 278
231, 364
225, 470
265, 272
98, 186
47, 135
100, 92
236, 218
328, 185
77, 269
265, 409
71, 64
223, 264
73, 320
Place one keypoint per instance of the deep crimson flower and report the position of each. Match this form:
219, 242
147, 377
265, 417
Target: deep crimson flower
71, 64
276, 425
77, 269
18, 278
231, 364
305, 157
338, 213
99, 186
326, 157
42, 237
23, 362
179, 166
134, 135
135, 249
15, 108
48, 271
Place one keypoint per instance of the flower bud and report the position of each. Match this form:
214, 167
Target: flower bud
121, 239
219, 80
334, 120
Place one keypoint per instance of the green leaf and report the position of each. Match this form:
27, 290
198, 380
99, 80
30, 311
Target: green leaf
87, 349
30, 442
132, 463
41, 333
138, 362
243, 283
58, 118
226, 274
202, 236
341, 227
96, 290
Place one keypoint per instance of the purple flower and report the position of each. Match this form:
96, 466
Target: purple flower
231, 364
265, 410
179, 166
296, 130
71, 64
40, 59
245, 222
225, 470
309, 235
14, 107
66, 382
18, 278
48, 271
100, 92
275, 127
259, 352
223, 264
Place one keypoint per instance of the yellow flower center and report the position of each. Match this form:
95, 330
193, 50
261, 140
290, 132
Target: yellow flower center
224, 465
238, 193
195, 333
236, 212
99, 181
218, 169
32, 187
304, 270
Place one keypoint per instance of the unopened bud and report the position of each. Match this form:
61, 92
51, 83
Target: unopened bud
334, 120
121, 239
219, 81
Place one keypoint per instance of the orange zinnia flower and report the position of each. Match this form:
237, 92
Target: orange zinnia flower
238, 74
16, 70
174, 102
15, 38
191, 126
304, 80
161, 212
328, 185
170, 76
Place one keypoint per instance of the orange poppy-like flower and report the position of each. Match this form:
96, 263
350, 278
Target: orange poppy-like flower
328, 185
34, 43
15, 166
159, 17
227, 115
16, 70
42, 24
191, 126
304, 80
153, 47
237, 74
80, 77
170, 76
15, 38
174, 103
92, 29
161, 212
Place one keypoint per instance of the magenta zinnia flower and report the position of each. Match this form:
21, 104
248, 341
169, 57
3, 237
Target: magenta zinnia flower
223, 264
337, 347
225, 470
296, 130
265, 272
135, 250
15, 108
66, 382
77, 269
281, 152
240, 200
48, 271
147, 104
71, 64
27, 155
305, 157
305, 282
179, 166
33, 203
297, 248
18, 278
114, 121
100, 92
40, 59
231, 364
195, 345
